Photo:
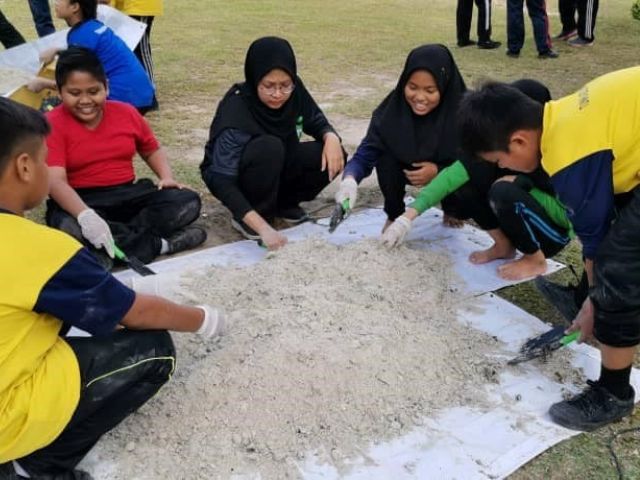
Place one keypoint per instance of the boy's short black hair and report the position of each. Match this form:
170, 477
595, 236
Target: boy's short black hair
79, 59
488, 117
18, 124
89, 8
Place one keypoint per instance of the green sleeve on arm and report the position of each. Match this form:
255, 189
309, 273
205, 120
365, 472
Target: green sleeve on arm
554, 209
447, 181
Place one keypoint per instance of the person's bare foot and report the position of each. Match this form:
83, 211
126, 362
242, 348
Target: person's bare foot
386, 225
494, 252
525, 267
451, 222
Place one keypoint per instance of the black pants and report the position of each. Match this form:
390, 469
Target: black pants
138, 214
567, 9
9, 36
272, 176
524, 221
119, 373
515, 24
464, 13
41, 13
143, 49
460, 204
616, 290
587, 13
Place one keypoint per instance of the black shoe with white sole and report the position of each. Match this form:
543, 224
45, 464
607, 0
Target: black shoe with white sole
595, 407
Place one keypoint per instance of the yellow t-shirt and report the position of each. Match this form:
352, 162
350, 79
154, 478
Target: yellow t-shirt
143, 8
591, 150
604, 115
40, 378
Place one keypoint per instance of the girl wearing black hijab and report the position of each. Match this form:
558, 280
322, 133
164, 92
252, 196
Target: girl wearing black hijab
254, 161
412, 133
518, 211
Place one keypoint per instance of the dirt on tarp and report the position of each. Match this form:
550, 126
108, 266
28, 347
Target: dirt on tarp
330, 349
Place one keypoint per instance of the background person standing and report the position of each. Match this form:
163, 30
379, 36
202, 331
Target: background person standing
540, 22
587, 13
9, 35
464, 13
144, 11
41, 13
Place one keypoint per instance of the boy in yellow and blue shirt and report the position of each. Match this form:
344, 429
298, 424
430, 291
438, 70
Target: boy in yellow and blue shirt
589, 144
59, 395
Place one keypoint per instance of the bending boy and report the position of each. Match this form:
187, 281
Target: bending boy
589, 144
58, 395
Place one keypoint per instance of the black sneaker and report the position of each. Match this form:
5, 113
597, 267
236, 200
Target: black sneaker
562, 297
293, 215
245, 230
465, 43
580, 42
512, 54
186, 239
548, 54
489, 45
591, 409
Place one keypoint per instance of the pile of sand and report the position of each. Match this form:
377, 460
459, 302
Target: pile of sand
330, 350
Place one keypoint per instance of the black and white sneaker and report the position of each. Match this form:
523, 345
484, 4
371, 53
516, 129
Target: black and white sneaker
293, 215
245, 230
186, 239
591, 409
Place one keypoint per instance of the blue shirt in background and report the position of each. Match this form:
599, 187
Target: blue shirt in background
128, 81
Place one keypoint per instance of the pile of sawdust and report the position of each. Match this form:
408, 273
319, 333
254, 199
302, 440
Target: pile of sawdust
330, 350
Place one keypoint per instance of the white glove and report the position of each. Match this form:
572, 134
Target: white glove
213, 323
348, 191
96, 230
395, 233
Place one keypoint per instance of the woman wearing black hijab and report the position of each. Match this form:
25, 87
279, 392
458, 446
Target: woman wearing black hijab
254, 161
519, 211
412, 133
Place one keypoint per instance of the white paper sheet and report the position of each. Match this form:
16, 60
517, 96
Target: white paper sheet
26, 56
458, 443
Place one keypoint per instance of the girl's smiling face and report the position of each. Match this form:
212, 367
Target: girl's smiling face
84, 96
421, 92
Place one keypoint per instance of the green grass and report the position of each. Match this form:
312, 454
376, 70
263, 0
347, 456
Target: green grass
349, 55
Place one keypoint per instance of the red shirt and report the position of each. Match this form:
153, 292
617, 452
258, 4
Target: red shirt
102, 157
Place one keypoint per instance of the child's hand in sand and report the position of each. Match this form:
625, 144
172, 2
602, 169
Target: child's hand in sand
272, 239
395, 233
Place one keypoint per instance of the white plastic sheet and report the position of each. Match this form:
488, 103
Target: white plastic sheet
458, 443
26, 56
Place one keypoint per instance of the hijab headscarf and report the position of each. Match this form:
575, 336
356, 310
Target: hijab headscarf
433, 137
242, 108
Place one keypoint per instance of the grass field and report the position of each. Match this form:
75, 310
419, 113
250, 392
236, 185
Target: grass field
349, 54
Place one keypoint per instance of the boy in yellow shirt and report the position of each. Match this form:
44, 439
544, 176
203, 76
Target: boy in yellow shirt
59, 395
589, 145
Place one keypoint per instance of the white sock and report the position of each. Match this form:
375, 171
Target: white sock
19, 470
164, 246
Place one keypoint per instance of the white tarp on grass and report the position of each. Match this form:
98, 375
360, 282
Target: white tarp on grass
458, 443
26, 57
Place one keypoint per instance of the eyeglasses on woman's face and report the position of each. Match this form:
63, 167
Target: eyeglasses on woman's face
272, 89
